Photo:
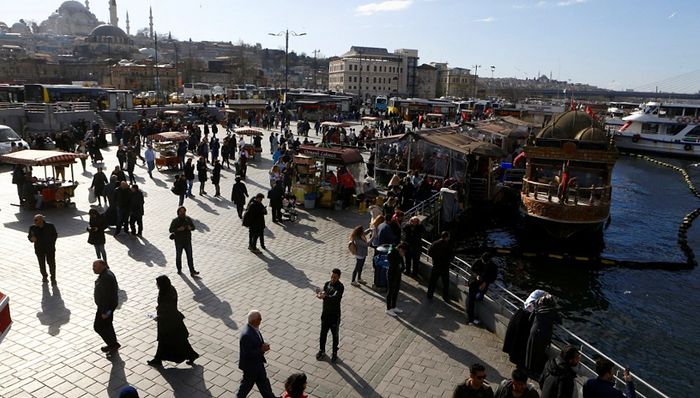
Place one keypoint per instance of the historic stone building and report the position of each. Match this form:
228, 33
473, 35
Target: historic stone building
72, 18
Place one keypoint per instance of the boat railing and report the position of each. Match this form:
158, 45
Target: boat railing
589, 196
508, 302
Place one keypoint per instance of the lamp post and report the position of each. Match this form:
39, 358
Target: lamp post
286, 34
476, 70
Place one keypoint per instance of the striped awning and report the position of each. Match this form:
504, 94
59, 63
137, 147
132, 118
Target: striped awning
247, 131
169, 136
36, 157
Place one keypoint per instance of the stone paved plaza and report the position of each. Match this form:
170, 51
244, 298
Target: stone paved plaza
52, 351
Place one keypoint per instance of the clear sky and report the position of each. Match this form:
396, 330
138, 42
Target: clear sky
618, 44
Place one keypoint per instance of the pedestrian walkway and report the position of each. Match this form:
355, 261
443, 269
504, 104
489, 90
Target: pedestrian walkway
52, 350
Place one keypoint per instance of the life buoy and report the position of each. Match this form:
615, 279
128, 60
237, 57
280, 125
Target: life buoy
688, 147
687, 120
679, 119
635, 138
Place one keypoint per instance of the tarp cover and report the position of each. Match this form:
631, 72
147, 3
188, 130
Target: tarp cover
36, 157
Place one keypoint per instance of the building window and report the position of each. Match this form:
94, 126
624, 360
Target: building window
375, 68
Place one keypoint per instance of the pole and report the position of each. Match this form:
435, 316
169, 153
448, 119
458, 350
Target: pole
156, 65
286, 63
315, 67
476, 73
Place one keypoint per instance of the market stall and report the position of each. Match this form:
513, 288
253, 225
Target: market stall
165, 146
251, 148
314, 168
49, 190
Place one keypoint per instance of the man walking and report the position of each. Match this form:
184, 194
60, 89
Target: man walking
474, 386
413, 235
254, 219
106, 299
276, 195
331, 294
396, 265
239, 193
252, 358
441, 253
136, 210
150, 156
44, 236
181, 232
123, 199
189, 174
558, 378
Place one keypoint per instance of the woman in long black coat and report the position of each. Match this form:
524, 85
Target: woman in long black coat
99, 182
172, 333
202, 174
216, 177
544, 317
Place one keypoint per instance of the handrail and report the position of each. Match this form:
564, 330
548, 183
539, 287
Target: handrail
463, 271
549, 190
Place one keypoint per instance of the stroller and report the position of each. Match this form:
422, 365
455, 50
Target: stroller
289, 209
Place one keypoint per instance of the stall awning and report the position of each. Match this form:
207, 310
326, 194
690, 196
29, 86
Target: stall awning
247, 131
340, 156
336, 124
370, 119
169, 136
172, 112
36, 157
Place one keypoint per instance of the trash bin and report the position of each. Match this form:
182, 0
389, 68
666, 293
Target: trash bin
380, 263
310, 200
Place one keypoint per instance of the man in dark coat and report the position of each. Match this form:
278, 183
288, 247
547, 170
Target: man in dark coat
255, 220
484, 273
252, 358
276, 195
441, 253
189, 174
44, 236
474, 386
412, 234
331, 294
106, 299
216, 177
544, 317
99, 182
603, 386
123, 199
239, 193
558, 377
517, 386
202, 174
396, 264
18, 179
136, 210
181, 232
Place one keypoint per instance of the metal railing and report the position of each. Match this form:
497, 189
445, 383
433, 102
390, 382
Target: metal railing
58, 107
11, 105
575, 195
509, 302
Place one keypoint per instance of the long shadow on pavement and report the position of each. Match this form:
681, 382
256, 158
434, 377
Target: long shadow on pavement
210, 304
282, 269
205, 206
143, 251
302, 231
186, 383
53, 310
63, 219
359, 384
117, 377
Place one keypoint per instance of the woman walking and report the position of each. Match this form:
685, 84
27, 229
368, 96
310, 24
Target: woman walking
216, 177
202, 174
99, 182
173, 344
358, 241
96, 233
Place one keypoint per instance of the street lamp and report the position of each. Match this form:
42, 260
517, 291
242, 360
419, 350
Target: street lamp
493, 68
476, 75
286, 34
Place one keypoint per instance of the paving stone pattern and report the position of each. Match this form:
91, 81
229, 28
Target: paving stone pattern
52, 351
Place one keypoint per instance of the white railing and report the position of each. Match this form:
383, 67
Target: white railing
574, 196
509, 302
58, 107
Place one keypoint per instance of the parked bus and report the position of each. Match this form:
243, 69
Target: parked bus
50, 93
409, 108
190, 90
381, 103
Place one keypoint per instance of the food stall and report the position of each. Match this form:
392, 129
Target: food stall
165, 146
52, 190
316, 160
250, 132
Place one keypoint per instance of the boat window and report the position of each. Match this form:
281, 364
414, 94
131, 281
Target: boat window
674, 112
690, 112
650, 128
674, 129
695, 132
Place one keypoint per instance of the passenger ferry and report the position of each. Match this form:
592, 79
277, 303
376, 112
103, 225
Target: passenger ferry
662, 128
567, 184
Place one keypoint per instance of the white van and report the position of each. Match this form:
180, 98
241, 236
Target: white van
7, 137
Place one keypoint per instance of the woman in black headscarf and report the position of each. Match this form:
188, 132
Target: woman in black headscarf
172, 332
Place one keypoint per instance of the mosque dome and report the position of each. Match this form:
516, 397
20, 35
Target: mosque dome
72, 18
574, 125
71, 6
108, 31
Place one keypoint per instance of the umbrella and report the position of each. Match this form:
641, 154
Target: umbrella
36, 157
482, 148
169, 136
247, 131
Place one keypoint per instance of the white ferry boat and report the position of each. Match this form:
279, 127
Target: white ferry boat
665, 128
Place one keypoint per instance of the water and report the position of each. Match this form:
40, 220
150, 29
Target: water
646, 319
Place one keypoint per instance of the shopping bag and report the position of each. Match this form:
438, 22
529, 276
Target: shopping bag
91, 195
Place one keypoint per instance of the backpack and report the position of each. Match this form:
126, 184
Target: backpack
352, 247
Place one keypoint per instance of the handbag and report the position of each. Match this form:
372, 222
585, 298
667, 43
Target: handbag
91, 195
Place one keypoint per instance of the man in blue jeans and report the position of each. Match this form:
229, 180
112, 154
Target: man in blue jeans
181, 232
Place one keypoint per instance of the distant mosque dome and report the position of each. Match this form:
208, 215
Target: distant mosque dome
72, 18
148, 52
104, 31
19, 27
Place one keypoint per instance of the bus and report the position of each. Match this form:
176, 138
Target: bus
409, 108
50, 93
11, 93
190, 90
380, 103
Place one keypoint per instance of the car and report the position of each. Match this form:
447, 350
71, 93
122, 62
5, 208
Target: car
7, 138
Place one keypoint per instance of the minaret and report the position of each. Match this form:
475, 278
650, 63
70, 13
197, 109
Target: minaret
87, 4
128, 32
113, 20
150, 18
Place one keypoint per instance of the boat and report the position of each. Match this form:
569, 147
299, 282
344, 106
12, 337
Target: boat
567, 189
670, 129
